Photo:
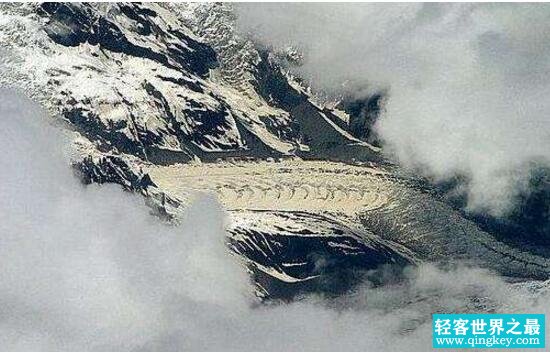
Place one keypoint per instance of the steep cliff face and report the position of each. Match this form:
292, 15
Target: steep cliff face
167, 100
129, 78
135, 80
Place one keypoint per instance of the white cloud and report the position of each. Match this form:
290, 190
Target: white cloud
468, 83
88, 268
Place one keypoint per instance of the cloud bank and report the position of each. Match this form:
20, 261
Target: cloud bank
88, 268
467, 83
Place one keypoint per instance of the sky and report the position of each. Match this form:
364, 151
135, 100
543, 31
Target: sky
89, 268
466, 84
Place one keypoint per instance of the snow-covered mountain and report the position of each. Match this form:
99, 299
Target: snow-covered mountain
168, 100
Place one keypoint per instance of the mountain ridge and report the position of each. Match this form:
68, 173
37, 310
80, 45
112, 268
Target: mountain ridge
168, 100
